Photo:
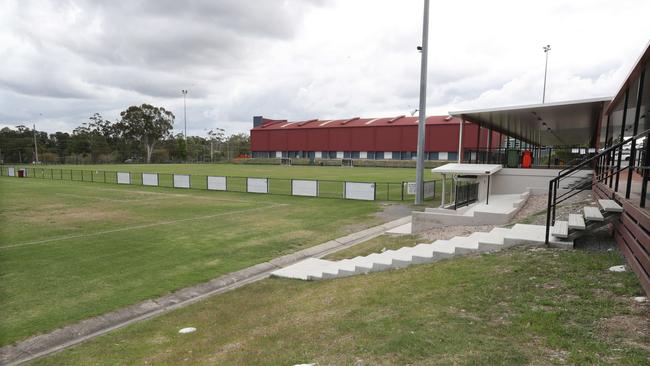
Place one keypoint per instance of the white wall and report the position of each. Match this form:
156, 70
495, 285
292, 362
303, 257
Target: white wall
513, 180
443, 156
363, 155
319, 154
388, 154
339, 154
278, 154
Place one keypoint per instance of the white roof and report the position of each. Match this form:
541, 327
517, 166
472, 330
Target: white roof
472, 169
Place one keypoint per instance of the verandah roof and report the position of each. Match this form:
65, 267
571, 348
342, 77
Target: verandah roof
552, 124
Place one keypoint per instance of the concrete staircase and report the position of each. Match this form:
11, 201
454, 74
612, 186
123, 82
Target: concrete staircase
562, 235
590, 218
496, 239
499, 211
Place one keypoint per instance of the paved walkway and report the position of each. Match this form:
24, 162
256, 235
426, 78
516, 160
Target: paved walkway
42, 345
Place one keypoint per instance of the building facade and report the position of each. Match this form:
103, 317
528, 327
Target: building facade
391, 138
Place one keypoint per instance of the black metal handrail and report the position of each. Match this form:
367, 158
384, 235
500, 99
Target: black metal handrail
554, 183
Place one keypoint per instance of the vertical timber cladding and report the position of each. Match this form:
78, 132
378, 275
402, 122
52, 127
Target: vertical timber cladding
632, 234
633, 237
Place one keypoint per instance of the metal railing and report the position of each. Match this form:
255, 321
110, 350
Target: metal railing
542, 157
604, 170
465, 193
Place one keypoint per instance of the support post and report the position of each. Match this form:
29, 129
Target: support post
645, 172
605, 169
460, 140
622, 137
444, 183
637, 116
489, 146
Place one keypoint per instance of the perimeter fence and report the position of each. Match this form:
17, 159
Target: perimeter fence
356, 190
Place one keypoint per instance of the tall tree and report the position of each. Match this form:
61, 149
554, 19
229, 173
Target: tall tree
147, 124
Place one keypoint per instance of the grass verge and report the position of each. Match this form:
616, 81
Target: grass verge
536, 306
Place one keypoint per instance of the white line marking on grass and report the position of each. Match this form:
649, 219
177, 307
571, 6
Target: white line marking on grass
174, 194
110, 199
136, 227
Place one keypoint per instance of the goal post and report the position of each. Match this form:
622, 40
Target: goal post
285, 161
347, 163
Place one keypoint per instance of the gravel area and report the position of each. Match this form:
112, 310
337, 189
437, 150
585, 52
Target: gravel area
533, 212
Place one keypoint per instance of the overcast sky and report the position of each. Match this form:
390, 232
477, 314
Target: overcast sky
63, 60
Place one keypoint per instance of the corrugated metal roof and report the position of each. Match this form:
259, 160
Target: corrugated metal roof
355, 122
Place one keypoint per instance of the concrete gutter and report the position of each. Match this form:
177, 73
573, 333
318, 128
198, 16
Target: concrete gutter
62, 338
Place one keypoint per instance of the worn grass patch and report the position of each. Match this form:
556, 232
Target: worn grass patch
515, 307
72, 250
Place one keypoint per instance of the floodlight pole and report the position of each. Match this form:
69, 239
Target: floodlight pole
419, 173
546, 48
35, 145
184, 113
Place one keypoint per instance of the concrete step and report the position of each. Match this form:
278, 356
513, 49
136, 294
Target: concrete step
497, 238
576, 222
560, 229
610, 206
593, 214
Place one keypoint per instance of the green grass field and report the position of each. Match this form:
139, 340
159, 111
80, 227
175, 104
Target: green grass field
362, 174
388, 181
72, 250
516, 307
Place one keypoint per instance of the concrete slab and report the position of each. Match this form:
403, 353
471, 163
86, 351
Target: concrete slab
400, 230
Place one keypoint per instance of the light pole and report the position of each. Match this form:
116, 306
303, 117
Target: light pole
424, 49
185, 112
546, 49
35, 145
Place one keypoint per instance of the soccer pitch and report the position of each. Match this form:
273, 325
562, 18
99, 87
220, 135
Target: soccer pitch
72, 250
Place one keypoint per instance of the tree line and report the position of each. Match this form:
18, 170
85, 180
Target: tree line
141, 134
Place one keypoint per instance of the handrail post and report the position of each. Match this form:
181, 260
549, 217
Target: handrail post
555, 189
548, 210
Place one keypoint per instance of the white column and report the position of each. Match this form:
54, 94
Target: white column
444, 183
460, 141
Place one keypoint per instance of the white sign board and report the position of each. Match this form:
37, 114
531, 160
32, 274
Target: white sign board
360, 191
429, 189
258, 185
217, 183
304, 188
149, 179
123, 178
11, 171
181, 181
410, 187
